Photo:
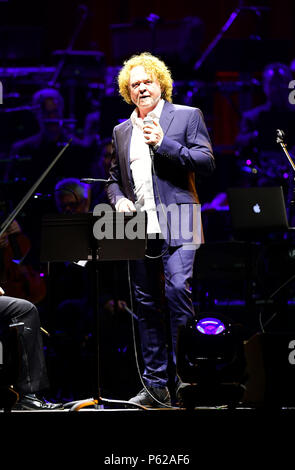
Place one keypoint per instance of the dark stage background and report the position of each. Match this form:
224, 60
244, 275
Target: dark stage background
78, 49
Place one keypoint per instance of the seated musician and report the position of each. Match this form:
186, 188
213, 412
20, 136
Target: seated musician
32, 379
256, 140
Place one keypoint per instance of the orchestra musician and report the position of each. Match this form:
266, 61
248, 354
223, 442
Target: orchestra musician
31, 378
256, 140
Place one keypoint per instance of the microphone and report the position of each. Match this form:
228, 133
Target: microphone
149, 120
280, 136
94, 180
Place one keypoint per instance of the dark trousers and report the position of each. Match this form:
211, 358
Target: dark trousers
32, 376
177, 268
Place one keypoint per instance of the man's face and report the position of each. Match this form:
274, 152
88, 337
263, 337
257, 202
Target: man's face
145, 91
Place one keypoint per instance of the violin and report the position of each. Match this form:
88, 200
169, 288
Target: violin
18, 278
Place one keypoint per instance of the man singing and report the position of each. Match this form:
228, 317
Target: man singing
157, 153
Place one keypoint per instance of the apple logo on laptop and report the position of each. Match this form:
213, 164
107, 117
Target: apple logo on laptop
256, 208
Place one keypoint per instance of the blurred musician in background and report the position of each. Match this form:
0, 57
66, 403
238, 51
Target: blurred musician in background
72, 196
101, 169
256, 140
55, 131
18, 277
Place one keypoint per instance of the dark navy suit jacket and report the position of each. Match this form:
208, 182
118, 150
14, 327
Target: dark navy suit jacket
185, 151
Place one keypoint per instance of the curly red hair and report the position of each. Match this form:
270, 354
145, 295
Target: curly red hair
154, 66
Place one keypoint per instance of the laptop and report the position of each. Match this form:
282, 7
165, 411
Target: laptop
258, 209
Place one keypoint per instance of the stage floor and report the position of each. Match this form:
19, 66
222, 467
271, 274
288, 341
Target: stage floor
142, 438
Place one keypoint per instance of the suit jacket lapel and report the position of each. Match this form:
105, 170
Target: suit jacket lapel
167, 116
127, 149
125, 138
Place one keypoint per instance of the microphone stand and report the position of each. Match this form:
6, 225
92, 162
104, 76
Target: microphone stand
280, 140
97, 401
95, 180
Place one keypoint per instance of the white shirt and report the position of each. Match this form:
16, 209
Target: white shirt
141, 167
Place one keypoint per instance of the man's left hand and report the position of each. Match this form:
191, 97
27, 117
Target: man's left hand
153, 133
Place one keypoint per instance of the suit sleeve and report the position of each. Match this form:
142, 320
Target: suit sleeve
195, 154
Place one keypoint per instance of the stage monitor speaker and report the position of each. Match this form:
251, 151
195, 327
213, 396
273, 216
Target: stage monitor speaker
270, 368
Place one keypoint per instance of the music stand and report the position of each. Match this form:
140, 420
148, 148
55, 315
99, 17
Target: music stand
75, 237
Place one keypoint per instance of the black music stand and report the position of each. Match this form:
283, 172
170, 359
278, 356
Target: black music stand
74, 238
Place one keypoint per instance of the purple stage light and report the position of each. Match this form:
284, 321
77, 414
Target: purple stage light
210, 326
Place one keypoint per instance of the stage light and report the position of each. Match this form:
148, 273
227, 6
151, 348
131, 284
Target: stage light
210, 360
210, 326
206, 338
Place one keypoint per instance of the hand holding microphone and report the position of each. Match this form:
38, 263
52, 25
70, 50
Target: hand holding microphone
152, 131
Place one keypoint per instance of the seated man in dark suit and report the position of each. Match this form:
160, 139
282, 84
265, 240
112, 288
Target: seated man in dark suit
32, 376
